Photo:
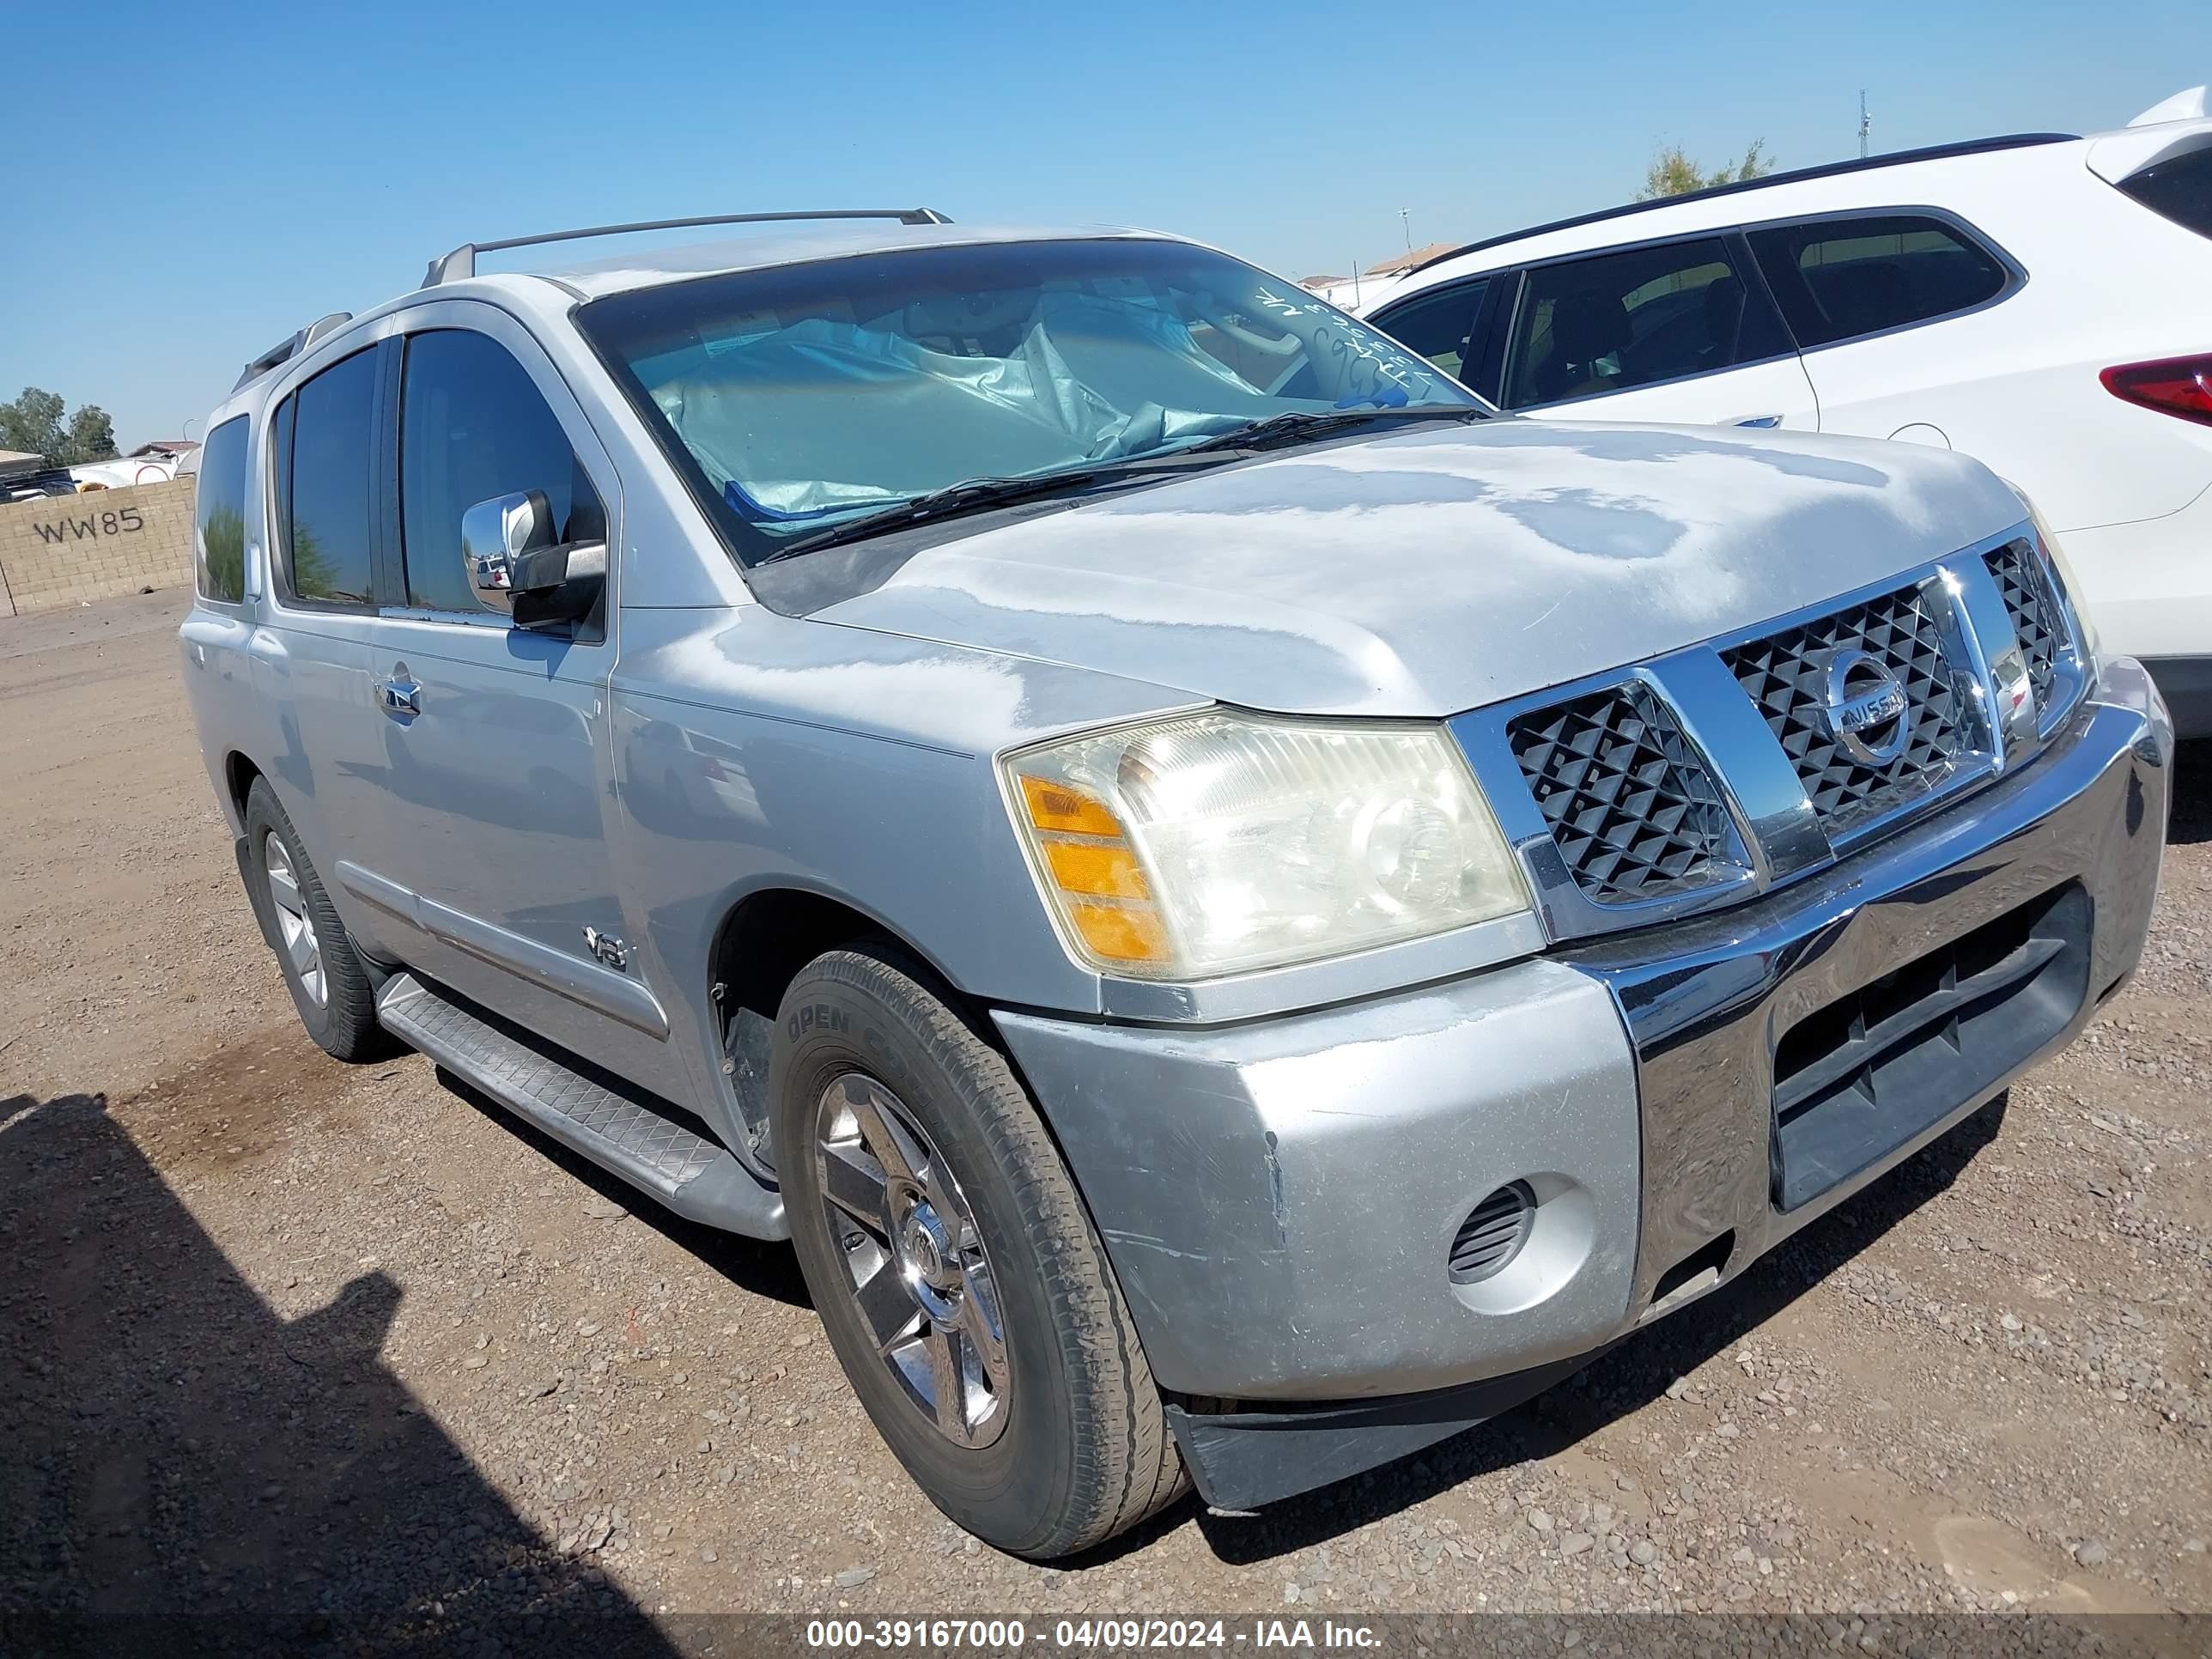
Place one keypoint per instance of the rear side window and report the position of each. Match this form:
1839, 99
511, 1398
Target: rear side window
326, 438
2179, 188
1437, 325
1586, 327
472, 426
1841, 279
220, 546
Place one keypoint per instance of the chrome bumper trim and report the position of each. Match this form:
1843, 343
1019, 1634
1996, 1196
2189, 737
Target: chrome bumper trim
1706, 1000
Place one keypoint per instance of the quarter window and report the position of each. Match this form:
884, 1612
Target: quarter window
325, 434
1840, 279
2179, 187
1586, 327
1437, 325
473, 425
220, 497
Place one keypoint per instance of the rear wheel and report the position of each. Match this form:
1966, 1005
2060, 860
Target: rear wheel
330, 986
956, 1272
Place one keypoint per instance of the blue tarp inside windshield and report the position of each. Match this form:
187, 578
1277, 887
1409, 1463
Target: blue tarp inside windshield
782, 419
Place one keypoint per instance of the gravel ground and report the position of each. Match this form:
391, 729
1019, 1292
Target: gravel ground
287, 1340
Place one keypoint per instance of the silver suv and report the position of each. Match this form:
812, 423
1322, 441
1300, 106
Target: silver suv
1242, 911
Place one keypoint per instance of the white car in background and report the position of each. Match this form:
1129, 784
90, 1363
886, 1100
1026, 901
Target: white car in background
2042, 303
122, 474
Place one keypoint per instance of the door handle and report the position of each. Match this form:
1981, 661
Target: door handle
1762, 422
399, 695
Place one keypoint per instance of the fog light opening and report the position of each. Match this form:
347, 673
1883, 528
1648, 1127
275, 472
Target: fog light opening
1492, 1233
1692, 1276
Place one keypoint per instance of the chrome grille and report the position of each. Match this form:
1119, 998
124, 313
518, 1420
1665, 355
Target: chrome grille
1492, 1233
2033, 608
1785, 675
1710, 774
1629, 803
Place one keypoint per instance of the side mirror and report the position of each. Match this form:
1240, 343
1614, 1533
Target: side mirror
516, 566
497, 532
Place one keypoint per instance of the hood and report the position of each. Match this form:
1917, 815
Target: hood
1428, 572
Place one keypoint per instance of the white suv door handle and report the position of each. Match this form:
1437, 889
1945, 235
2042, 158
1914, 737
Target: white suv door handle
1762, 422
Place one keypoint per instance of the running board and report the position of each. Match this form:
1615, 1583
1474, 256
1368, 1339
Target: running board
697, 1178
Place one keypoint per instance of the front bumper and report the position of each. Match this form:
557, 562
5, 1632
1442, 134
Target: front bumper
1278, 1197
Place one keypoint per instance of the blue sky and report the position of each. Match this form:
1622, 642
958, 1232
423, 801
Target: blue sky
209, 179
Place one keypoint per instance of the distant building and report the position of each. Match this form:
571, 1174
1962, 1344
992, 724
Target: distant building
25, 477
1353, 292
17, 468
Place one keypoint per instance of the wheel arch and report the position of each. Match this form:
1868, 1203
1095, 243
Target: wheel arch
768, 935
239, 774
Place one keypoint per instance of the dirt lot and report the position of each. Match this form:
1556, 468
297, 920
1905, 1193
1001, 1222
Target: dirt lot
287, 1338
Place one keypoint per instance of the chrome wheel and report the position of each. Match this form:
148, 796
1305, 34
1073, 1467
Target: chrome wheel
295, 928
914, 1260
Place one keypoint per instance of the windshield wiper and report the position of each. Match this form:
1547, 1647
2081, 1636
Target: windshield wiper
980, 495
1297, 424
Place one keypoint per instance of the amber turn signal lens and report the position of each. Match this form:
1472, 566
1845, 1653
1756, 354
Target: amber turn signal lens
1100, 887
1056, 806
1120, 933
1105, 872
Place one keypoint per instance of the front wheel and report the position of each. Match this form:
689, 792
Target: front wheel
954, 1268
330, 985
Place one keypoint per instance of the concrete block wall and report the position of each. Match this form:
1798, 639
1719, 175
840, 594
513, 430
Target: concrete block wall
63, 549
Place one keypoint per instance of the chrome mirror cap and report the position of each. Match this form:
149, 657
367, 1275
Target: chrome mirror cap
497, 532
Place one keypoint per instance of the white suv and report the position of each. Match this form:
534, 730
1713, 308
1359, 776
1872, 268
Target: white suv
2042, 303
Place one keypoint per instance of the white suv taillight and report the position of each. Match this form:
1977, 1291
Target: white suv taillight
2172, 385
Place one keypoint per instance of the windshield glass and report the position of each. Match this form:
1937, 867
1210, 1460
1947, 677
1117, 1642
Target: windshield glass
800, 396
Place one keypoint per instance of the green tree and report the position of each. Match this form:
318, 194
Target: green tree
91, 436
34, 425
1672, 172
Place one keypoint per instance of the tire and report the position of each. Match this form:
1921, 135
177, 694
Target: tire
1083, 1450
341, 1016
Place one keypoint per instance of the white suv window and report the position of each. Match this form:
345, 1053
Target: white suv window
2179, 188
1437, 325
1841, 279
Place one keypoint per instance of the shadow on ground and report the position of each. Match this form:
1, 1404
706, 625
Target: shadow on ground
753, 1265
186, 1471
1631, 1376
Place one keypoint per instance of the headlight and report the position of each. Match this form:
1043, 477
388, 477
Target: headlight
2085, 630
1213, 843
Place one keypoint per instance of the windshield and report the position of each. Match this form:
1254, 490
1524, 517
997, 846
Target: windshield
799, 397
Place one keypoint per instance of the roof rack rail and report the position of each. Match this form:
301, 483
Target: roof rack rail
462, 261
288, 349
1797, 175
